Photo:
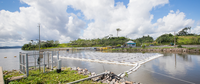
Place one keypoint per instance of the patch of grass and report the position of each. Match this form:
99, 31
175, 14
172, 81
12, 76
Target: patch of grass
193, 48
9, 74
188, 40
52, 77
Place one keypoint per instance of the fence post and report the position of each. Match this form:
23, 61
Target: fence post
35, 59
58, 63
44, 61
59, 66
27, 71
52, 60
20, 68
23, 67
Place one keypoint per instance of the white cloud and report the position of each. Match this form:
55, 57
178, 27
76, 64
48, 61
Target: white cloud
135, 20
173, 22
196, 30
57, 24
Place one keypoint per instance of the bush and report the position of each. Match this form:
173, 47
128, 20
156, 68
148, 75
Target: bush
179, 46
138, 44
122, 48
118, 45
143, 46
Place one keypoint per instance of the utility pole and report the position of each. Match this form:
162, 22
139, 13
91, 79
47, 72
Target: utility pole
39, 37
39, 47
174, 39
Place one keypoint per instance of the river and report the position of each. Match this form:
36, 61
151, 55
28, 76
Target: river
169, 69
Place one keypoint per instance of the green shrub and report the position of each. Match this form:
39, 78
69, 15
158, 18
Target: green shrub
179, 46
118, 45
143, 46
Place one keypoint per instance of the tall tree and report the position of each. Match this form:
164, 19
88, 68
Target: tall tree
165, 38
184, 31
118, 29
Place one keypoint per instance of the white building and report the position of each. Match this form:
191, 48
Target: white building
131, 44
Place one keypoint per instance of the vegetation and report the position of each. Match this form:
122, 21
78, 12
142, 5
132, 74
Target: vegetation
184, 32
10, 74
144, 40
126, 74
106, 41
166, 38
118, 29
182, 38
188, 40
51, 77
143, 46
179, 46
46, 44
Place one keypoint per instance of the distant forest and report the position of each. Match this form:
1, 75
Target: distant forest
7, 47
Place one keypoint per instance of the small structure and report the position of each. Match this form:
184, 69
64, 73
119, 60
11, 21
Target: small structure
131, 44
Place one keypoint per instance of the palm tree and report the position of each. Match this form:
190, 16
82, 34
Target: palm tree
118, 29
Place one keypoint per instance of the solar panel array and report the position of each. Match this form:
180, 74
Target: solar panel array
110, 57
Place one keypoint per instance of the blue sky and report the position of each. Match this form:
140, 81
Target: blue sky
189, 7
82, 19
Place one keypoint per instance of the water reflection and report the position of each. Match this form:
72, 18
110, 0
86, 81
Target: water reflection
169, 69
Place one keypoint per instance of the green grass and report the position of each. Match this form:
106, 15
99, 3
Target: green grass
188, 40
51, 77
10, 74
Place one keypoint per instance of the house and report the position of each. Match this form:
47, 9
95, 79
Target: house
131, 44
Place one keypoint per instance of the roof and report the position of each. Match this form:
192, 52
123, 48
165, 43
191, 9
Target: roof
130, 42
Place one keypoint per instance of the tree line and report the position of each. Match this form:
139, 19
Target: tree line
47, 44
118, 41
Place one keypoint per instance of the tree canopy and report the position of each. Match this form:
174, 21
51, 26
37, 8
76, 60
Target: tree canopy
184, 32
118, 29
144, 39
106, 41
165, 38
48, 43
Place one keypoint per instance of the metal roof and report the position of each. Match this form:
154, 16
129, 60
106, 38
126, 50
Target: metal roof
130, 42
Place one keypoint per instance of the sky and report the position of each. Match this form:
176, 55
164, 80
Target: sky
67, 20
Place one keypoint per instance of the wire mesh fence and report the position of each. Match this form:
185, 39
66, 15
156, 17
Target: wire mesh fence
35, 60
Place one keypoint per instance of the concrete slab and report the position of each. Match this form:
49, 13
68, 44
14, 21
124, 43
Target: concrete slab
1, 76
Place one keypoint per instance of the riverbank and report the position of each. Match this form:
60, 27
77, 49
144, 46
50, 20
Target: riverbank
157, 49
67, 75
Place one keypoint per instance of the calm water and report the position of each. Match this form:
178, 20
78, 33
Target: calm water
169, 69
10, 62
